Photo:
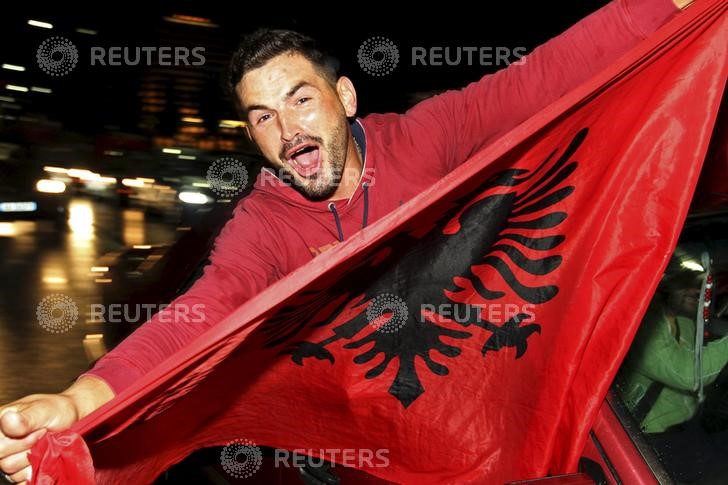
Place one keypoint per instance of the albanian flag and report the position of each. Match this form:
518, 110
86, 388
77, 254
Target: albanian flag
473, 333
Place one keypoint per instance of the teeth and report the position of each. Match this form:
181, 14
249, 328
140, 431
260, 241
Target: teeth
298, 152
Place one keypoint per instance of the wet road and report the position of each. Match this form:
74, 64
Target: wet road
37, 260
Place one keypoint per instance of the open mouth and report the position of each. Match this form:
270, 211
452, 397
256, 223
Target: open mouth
305, 159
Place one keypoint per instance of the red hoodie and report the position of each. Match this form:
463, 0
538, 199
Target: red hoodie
276, 230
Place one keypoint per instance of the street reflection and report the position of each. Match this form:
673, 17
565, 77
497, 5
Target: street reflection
133, 227
7, 229
37, 259
81, 220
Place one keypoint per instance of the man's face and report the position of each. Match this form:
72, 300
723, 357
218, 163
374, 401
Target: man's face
684, 301
298, 120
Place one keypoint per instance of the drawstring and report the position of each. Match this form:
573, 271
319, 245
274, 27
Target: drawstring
332, 208
365, 188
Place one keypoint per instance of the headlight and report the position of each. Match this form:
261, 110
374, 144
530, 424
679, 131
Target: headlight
132, 182
50, 186
194, 198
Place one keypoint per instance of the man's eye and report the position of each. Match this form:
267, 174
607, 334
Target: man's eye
302, 100
263, 118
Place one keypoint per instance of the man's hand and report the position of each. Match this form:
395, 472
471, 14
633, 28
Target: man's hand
25, 421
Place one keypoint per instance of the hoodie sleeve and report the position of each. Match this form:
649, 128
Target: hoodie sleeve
447, 129
240, 267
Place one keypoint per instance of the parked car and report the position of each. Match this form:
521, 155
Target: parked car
181, 192
28, 191
627, 447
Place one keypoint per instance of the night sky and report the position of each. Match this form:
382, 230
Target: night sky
94, 98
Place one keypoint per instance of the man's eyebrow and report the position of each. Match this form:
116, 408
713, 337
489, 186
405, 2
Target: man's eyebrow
298, 86
290, 93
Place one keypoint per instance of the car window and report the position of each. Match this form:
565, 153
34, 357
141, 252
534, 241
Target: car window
674, 379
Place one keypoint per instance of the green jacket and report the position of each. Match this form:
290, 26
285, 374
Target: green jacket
657, 355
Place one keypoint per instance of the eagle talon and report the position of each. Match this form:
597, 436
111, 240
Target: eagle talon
301, 350
510, 334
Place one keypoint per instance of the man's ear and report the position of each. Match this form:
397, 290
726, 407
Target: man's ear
347, 95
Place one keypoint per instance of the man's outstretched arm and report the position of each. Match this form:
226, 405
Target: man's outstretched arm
451, 127
240, 266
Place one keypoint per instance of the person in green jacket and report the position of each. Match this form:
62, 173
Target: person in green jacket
661, 377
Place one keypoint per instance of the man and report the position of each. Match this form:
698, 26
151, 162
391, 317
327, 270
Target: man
335, 175
660, 379
663, 375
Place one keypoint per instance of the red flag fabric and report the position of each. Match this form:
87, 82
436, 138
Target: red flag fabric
473, 333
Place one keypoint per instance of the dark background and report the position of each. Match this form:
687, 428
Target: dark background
94, 98
116, 121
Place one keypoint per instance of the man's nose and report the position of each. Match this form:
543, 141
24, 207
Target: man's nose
289, 128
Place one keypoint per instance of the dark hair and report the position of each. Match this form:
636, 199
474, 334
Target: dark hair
263, 45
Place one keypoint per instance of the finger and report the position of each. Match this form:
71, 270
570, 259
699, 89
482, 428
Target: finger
2, 413
13, 424
14, 463
21, 476
25, 419
9, 446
